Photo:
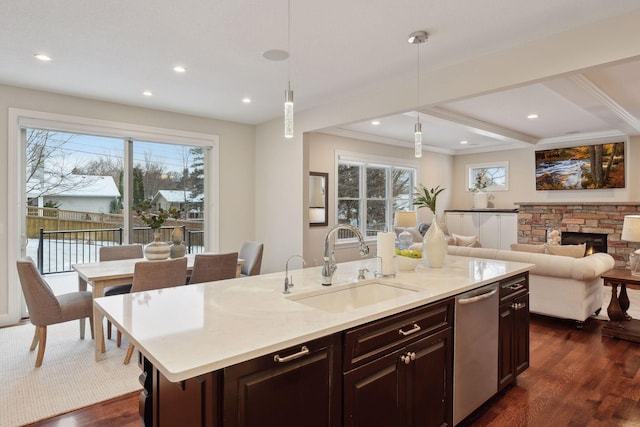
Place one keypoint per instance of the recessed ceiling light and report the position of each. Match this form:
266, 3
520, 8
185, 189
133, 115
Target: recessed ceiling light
464, 142
179, 69
532, 116
42, 57
375, 122
147, 93
246, 100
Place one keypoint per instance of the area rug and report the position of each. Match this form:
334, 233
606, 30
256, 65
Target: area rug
68, 379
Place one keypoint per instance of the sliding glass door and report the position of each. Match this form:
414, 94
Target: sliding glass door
82, 192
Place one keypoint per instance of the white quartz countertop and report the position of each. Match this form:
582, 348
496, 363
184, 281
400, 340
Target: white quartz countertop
190, 330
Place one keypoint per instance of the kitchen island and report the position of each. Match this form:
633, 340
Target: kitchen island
197, 342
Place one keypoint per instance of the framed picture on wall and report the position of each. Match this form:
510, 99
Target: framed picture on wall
583, 167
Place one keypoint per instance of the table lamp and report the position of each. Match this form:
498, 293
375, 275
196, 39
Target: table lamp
631, 233
405, 219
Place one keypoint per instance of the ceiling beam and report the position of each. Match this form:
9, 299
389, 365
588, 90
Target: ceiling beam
478, 126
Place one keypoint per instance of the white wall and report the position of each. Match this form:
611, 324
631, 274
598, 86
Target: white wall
434, 169
237, 163
522, 180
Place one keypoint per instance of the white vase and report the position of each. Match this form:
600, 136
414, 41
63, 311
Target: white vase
157, 249
480, 200
177, 249
434, 245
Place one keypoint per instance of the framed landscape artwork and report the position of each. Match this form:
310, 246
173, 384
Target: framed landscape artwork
582, 167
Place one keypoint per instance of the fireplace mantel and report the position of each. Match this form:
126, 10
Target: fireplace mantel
577, 203
534, 218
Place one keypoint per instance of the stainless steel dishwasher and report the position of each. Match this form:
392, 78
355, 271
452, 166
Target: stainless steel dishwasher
475, 355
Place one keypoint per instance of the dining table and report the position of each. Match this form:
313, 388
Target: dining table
111, 273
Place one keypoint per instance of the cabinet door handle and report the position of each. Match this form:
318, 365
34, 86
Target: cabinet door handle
303, 352
415, 329
515, 287
408, 358
518, 305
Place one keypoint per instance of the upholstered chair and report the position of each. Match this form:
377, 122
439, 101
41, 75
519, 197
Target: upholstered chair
212, 267
251, 252
150, 275
114, 253
46, 309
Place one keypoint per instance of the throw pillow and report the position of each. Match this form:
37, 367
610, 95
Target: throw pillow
575, 251
526, 247
464, 240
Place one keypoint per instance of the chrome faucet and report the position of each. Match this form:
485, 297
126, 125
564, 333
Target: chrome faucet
288, 283
329, 264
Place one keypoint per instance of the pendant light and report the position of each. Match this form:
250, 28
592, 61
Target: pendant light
417, 38
288, 94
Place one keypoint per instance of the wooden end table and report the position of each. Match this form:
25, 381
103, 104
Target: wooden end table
621, 325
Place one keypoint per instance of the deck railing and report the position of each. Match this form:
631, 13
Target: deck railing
58, 249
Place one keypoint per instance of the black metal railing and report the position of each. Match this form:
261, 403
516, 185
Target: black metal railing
59, 249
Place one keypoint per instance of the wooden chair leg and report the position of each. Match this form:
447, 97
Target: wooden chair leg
42, 343
118, 338
91, 326
34, 343
109, 330
127, 357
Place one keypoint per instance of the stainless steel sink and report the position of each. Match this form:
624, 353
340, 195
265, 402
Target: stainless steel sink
344, 298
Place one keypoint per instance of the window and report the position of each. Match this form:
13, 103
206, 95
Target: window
369, 192
494, 176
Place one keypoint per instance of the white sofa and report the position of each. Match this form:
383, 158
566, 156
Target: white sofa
559, 286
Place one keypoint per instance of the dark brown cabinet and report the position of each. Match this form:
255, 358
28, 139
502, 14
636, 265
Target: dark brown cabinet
513, 352
399, 370
163, 403
296, 386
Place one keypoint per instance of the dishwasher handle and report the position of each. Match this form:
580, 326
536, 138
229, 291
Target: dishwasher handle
476, 298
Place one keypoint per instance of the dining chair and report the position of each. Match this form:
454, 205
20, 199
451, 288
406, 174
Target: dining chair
212, 267
151, 275
251, 252
45, 308
114, 253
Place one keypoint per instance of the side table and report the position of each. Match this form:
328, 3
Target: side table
621, 325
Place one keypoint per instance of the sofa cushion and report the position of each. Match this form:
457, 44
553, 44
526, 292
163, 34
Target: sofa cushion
575, 251
526, 247
470, 241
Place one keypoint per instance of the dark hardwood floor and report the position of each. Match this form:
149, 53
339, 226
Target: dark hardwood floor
576, 378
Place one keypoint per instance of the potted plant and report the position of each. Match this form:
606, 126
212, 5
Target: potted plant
480, 197
434, 243
157, 249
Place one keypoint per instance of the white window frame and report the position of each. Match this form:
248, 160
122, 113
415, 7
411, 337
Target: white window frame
19, 119
369, 160
473, 169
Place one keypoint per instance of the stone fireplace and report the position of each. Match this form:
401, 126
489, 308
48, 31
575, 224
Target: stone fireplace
587, 217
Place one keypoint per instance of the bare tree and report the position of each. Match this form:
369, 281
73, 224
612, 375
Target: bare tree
103, 166
47, 168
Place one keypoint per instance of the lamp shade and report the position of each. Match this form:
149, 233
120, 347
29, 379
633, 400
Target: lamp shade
631, 228
405, 219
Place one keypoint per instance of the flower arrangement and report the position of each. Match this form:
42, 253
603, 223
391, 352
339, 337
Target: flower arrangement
155, 220
481, 182
424, 197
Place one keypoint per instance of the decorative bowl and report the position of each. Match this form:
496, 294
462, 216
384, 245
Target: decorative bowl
404, 263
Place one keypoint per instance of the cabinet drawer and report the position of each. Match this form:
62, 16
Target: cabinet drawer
514, 287
372, 340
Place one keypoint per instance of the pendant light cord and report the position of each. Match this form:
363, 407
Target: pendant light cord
418, 84
289, 42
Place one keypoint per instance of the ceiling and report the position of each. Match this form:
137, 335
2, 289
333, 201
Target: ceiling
115, 50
